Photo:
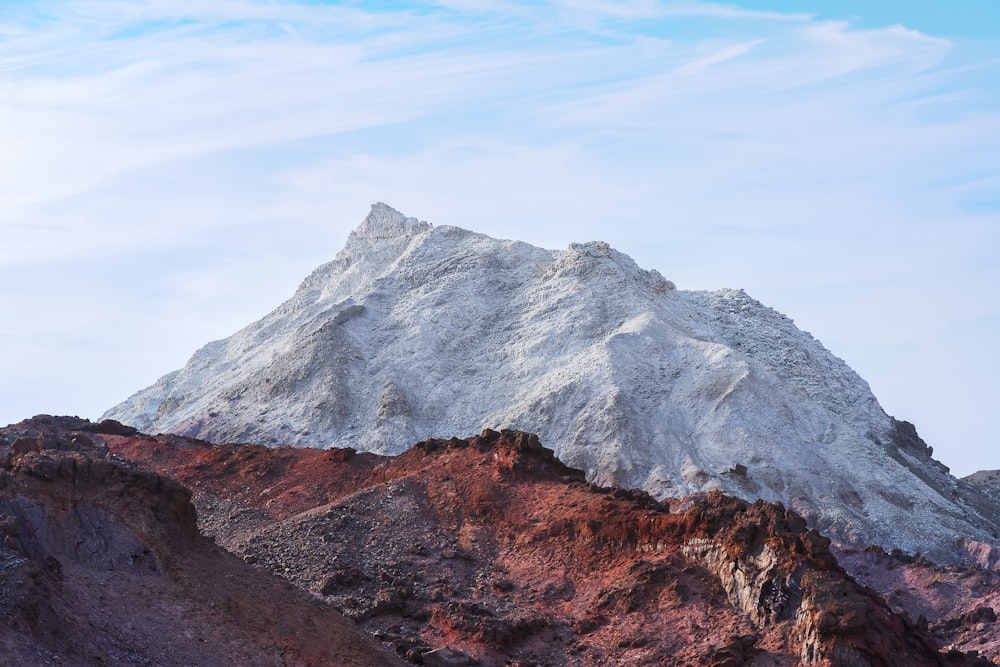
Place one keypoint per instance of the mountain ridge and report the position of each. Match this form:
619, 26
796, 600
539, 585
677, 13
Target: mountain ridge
489, 550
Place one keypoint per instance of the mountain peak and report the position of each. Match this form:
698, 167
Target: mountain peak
635, 382
385, 222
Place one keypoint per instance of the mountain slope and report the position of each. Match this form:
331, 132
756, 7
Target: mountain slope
987, 481
102, 563
491, 546
416, 331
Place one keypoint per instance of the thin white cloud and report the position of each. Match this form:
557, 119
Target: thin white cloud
172, 96
720, 56
646, 9
232, 142
622, 9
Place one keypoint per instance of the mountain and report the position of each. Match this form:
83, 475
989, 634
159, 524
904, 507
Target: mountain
490, 551
415, 331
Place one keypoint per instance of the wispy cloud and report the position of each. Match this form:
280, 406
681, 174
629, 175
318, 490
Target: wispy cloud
152, 146
722, 55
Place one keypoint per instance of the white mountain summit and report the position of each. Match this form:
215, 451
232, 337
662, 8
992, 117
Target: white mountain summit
416, 331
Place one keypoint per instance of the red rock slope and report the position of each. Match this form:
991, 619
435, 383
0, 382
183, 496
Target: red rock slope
102, 563
490, 551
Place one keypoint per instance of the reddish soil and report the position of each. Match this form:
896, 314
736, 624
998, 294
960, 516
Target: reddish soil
102, 563
490, 551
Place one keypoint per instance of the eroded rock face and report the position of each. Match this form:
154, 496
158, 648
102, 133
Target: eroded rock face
102, 563
775, 570
489, 549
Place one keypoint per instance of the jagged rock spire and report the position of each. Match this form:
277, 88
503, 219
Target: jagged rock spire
385, 222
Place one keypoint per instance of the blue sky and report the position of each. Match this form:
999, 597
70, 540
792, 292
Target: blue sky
171, 171
968, 18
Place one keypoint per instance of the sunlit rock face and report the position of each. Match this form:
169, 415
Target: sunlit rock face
415, 331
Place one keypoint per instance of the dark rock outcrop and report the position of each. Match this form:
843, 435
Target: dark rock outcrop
986, 481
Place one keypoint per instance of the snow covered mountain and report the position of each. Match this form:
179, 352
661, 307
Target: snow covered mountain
416, 331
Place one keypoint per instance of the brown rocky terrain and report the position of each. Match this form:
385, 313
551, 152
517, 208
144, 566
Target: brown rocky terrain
490, 551
102, 563
956, 604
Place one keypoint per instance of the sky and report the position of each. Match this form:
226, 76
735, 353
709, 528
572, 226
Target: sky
170, 171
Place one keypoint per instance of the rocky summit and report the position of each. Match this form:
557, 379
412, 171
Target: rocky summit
416, 330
